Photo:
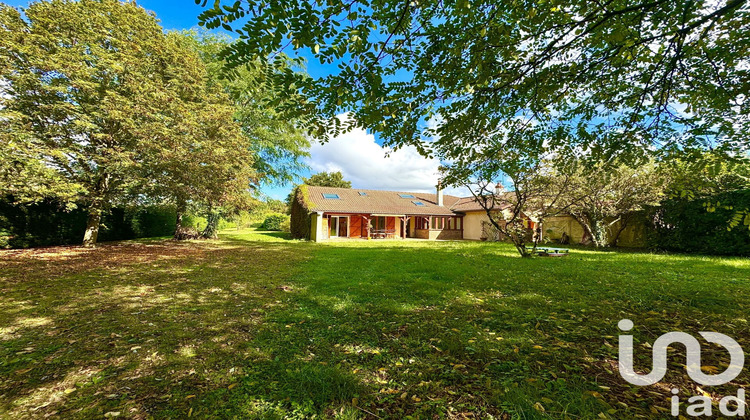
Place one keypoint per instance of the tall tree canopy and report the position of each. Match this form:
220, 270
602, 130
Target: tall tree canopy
328, 179
320, 179
95, 98
278, 142
604, 78
604, 198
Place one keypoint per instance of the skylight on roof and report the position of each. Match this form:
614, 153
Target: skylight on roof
362, 193
406, 195
418, 203
331, 196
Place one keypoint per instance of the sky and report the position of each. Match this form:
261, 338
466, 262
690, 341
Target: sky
359, 155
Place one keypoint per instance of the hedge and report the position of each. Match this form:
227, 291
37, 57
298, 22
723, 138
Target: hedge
49, 223
274, 221
683, 225
300, 214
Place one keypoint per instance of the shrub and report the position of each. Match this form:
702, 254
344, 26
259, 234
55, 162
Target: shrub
274, 221
286, 226
194, 221
300, 217
155, 220
684, 225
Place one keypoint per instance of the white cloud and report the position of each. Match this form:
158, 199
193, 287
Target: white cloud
369, 165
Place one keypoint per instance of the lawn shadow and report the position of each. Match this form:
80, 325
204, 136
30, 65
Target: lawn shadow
258, 326
433, 327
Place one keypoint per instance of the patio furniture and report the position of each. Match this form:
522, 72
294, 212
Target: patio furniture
382, 233
544, 251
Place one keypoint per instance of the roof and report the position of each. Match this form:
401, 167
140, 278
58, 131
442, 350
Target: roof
379, 202
465, 204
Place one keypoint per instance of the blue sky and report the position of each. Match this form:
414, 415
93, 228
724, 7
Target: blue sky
357, 154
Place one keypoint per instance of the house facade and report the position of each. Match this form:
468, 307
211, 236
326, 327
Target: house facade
327, 213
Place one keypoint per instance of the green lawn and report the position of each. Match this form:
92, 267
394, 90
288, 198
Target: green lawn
257, 326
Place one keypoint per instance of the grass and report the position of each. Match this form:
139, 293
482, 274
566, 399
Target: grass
258, 326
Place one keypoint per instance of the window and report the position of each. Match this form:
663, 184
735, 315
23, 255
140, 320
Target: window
418, 203
362, 193
406, 195
378, 223
331, 196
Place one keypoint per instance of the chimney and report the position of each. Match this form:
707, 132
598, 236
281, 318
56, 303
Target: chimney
499, 189
439, 194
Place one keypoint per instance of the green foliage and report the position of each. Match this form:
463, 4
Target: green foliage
275, 222
606, 78
602, 195
682, 224
41, 223
277, 142
154, 220
321, 179
286, 225
328, 179
299, 210
49, 222
116, 107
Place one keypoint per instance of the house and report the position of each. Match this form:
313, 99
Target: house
323, 213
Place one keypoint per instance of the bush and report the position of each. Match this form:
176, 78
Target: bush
684, 225
274, 221
41, 224
155, 220
286, 226
300, 217
193, 221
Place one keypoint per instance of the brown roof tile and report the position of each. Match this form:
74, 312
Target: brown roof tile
378, 202
389, 202
470, 204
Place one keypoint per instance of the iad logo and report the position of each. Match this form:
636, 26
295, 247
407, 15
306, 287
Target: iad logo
702, 404
693, 362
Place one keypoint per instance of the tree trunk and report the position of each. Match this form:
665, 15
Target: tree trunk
593, 229
92, 226
178, 223
95, 211
212, 227
599, 231
624, 223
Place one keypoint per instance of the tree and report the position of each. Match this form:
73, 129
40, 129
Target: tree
328, 179
93, 92
278, 142
321, 179
614, 78
208, 161
538, 189
257, 146
603, 197
706, 178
